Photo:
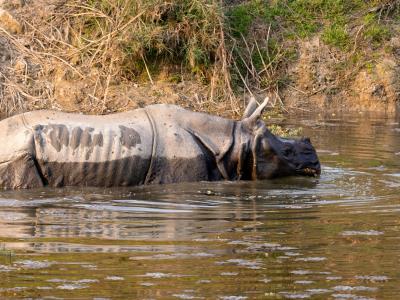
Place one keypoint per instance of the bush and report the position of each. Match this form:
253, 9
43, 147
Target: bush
375, 32
131, 33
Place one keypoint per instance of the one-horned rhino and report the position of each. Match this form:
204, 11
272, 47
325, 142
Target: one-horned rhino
155, 144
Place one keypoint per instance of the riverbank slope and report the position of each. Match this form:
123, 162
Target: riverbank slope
106, 56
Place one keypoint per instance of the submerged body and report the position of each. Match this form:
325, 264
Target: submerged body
156, 144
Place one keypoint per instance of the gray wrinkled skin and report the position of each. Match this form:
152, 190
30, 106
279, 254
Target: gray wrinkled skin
156, 144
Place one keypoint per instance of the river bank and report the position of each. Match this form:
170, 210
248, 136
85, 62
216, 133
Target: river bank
75, 56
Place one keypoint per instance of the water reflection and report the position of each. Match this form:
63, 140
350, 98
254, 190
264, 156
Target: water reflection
330, 237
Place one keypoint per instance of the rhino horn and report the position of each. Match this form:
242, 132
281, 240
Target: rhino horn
250, 108
256, 112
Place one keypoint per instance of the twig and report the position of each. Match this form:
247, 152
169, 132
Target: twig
112, 34
147, 70
280, 99
355, 39
243, 80
107, 85
262, 59
253, 70
63, 61
36, 54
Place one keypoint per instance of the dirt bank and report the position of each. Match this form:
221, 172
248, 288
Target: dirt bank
322, 81
39, 69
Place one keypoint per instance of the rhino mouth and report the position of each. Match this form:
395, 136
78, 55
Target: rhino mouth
310, 172
313, 172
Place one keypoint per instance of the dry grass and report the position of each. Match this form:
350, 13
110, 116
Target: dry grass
86, 55
82, 51
15, 78
128, 40
92, 47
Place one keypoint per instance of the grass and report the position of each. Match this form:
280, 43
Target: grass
336, 35
375, 32
131, 35
244, 47
240, 19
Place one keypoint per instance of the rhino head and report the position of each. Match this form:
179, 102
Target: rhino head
273, 156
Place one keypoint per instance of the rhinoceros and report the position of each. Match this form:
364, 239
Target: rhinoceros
156, 144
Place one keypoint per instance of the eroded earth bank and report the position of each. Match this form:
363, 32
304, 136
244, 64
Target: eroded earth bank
102, 57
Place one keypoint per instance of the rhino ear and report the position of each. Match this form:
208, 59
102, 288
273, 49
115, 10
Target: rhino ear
251, 121
251, 107
218, 152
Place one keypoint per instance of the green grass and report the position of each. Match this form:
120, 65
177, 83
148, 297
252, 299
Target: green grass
240, 19
336, 35
375, 32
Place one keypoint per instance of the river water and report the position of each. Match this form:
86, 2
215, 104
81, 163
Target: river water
333, 237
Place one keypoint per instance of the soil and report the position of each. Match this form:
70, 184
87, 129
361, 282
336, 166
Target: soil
317, 82
320, 84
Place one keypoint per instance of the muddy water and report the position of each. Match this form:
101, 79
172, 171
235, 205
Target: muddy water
336, 237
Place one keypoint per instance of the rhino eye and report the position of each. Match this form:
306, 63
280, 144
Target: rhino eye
286, 151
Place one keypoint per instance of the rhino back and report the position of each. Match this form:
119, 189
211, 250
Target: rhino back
72, 149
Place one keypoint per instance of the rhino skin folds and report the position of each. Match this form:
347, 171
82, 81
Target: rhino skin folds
156, 144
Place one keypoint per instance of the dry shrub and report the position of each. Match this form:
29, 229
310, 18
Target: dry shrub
128, 40
84, 55
79, 51
18, 84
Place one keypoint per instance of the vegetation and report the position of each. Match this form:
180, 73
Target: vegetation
131, 32
244, 44
232, 48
